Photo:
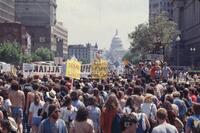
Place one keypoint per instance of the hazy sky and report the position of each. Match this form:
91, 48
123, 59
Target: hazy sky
97, 20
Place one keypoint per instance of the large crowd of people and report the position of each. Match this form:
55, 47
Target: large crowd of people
147, 100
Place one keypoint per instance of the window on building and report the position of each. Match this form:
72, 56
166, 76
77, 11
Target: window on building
42, 39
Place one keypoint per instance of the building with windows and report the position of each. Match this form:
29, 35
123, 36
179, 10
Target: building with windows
85, 53
15, 33
158, 6
59, 40
39, 17
187, 16
7, 11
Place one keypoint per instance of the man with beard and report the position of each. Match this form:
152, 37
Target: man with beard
53, 124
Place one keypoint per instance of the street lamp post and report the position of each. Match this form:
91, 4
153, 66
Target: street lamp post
192, 50
178, 48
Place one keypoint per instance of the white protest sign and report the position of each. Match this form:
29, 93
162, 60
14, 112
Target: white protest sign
85, 70
41, 70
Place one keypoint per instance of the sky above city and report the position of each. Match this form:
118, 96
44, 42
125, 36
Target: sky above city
97, 20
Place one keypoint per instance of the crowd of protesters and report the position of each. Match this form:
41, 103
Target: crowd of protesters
147, 100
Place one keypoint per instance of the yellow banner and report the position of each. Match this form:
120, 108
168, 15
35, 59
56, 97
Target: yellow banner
73, 69
100, 69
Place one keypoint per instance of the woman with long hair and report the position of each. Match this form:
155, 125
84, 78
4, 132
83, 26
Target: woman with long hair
110, 120
82, 124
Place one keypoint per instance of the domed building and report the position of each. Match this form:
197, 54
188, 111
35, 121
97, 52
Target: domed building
116, 49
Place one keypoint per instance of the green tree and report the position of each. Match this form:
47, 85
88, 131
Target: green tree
10, 53
43, 54
134, 58
26, 58
141, 38
163, 30
160, 33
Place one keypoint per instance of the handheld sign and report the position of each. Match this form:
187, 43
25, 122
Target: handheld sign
73, 69
100, 69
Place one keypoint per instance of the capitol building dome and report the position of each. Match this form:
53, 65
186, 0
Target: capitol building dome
116, 48
116, 43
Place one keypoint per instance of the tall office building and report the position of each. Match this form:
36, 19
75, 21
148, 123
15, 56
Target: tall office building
158, 6
7, 11
36, 12
39, 17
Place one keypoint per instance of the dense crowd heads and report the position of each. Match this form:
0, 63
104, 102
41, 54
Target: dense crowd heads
146, 100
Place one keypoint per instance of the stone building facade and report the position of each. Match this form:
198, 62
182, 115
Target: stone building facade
7, 11
85, 53
158, 6
15, 33
187, 16
39, 17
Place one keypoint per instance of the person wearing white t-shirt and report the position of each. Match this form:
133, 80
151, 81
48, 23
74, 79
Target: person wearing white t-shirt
68, 112
34, 115
163, 126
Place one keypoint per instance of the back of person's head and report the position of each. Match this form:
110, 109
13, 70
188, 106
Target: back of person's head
15, 85
130, 103
96, 92
196, 108
150, 90
161, 114
176, 94
120, 94
67, 101
92, 101
35, 86
82, 114
74, 95
100, 87
169, 98
112, 102
85, 89
170, 89
137, 90
127, 120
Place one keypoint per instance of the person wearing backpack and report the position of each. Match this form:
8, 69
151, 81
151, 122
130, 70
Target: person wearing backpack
193, 122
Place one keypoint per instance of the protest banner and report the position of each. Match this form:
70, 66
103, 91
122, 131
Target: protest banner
41, 70
73, 69
85, 70
100, 69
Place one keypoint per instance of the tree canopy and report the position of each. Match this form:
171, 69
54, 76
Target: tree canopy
43, 54
160, 32
10, 52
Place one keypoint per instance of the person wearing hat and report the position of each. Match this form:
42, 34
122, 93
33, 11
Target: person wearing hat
53, 124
